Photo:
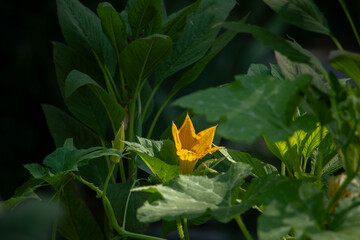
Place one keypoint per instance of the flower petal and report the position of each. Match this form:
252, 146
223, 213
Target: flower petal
204, 142
187, 134
175, 133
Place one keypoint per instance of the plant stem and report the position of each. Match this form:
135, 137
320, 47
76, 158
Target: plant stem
54, 230
159, 113
111, 215
126, 206
147, 105
180, 229
338, 45
88, 184
343, 5
243, 228
107, 160
186, 229
283, 169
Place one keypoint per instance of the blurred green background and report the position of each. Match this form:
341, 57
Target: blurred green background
28, 75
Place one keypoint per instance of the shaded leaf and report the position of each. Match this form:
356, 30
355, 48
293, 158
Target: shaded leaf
200, 30
68, 158
289, 49
140, 58
114, 111
348, 63
112, 25
118, 195
302, 13
145, 17
78, 221
82, 29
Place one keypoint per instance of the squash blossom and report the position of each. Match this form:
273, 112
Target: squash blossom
191, 147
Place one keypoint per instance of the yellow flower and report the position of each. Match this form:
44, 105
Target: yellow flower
190, 146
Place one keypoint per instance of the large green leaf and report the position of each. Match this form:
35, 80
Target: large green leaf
78, 222
63, 126
200, 31
68, 158
289, 49
193, 73
175, 23
302, 13
192, 196
112, 25
114, 111
145, 17
258, 168
348, 63
82, 30
119, 194
290, 206
159, 156
252, 106
67, 59
140, 58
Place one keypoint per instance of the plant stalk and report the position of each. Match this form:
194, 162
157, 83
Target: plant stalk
180, 229
243, 228
343, 5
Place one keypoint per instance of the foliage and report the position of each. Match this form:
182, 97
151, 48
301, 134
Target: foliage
109, 71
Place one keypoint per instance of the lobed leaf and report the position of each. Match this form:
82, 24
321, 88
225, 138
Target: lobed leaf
252, 106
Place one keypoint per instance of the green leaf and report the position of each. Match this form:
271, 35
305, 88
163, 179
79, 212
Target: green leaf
191, 196
258, 168
68, 158
348, 63
114, 111
31, 220
200, 31
63, 126
25, 192
252, 106
291, 206
159, 156
112, 25
345, 222
145, 17
302, 13
291, 70
118, 195
175, 23
140, 58
194, 72
82, 30
289, 49
78, 222
67, 59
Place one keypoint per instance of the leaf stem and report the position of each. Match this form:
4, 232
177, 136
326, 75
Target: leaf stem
147, 105
337, 43
54, 230
243, 227
343, 5
180, 229
283, 169
159, 113
186, 229
127, 205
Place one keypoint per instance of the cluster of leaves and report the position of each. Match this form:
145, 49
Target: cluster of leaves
109, 71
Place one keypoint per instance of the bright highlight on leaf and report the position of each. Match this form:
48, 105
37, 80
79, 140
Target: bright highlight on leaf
190, 146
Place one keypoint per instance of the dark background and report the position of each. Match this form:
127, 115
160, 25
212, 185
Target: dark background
28, 75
